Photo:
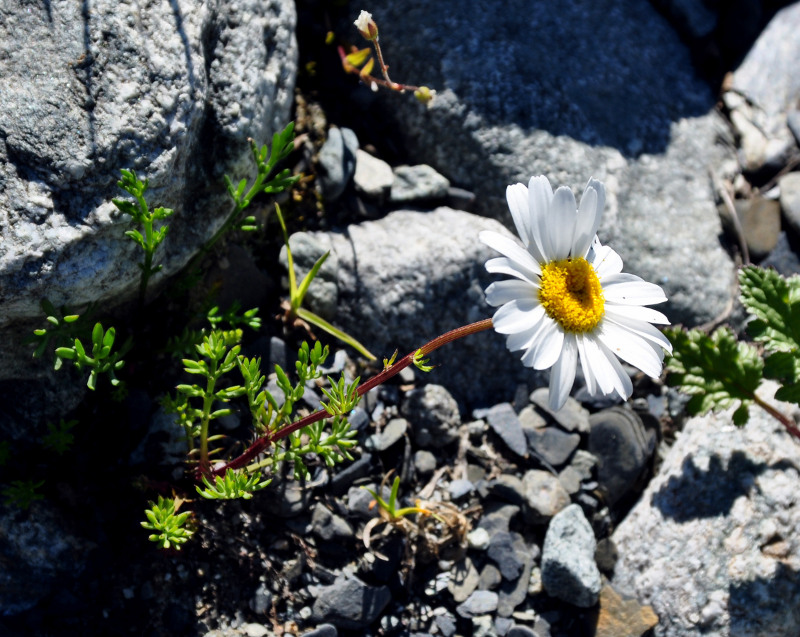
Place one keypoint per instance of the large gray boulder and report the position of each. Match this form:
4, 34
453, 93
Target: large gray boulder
571, 90
764, 89
172, 90
712, 544
400, 281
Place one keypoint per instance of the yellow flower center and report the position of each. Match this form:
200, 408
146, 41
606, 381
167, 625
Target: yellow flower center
572, 295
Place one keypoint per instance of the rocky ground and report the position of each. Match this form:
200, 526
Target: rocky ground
526, 501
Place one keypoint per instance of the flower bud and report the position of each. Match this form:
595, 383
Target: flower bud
366, 26
424, 94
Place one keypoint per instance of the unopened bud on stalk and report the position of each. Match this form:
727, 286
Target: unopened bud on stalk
424, 94
366, 26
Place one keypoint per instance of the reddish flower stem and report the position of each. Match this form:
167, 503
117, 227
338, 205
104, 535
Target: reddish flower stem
787, 422
262, 443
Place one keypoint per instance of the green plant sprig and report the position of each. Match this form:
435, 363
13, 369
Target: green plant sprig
141, 214
266, 161
235, 485
59, 331
270, 438
298, 293
390, 508
59, 437
102, 360
22, 493
216, 359
170, 527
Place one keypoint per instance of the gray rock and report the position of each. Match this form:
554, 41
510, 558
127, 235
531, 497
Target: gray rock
393, 432
39, 552
324, 630
479, 603
783, 258
446, 624
359, 499
337, 162
464, 579
622, 446
584, 463
793, 122
349, 603
373, 177
418, 183
790, 200
330, 527
710, 544
505, 423
497, 517
174, 95
571, 416
507, 550
411, 276
569, 571
508, 487
490, 577
261, 603
424, 463
459, 489
513, 592
696, 19
570, 479
644, 124
433, 414
544, 496
552, 444
769, 88
760, 221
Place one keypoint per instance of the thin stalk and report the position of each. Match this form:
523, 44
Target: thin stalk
265, 441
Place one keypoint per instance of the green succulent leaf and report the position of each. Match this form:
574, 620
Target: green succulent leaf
235, 484
169, 526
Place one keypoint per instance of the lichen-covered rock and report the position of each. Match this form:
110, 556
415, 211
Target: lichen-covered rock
172, 91
712, 543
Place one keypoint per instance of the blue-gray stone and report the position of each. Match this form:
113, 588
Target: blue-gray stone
569, 571
505, 423
349, 603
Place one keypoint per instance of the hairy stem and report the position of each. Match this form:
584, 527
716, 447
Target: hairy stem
265, 441
787, 422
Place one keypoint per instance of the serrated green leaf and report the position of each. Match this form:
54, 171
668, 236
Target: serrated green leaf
717, 370
775, 302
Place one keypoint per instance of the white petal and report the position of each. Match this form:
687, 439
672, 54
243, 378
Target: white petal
563, 374
631, 348
629, 289
540, 194
517, 198
501, 292
609, 373
589, 215
605, 261
561, 225
513, 317
638, 312
504, 265
642, 329
527, 338
547, 348
511, 249
588, 372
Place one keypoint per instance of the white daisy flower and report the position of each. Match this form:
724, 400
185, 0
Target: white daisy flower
569, 299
